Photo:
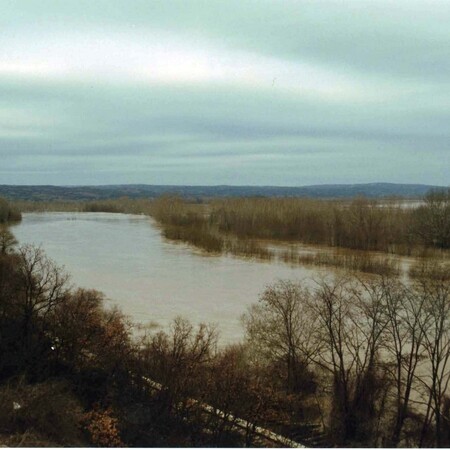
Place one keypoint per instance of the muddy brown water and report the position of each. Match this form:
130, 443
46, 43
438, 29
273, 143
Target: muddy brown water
151, 279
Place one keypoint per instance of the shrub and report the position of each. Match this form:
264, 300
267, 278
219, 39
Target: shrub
102, 428
48, 409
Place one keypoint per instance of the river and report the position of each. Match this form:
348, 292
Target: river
151, 279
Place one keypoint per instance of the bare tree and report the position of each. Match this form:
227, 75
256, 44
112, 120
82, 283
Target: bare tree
177, 360
407, 320
366, 223
432, 220
42, 284
281, 328
77, 327
436, 297
7, 240
31, 286
351, 325
237, 388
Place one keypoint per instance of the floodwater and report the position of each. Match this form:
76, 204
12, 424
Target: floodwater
151, 279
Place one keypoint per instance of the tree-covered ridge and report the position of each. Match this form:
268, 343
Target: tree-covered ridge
78, 193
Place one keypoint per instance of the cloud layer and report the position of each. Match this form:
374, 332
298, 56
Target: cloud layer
215, 92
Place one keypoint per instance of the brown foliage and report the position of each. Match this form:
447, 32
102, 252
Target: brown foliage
102, 428
86, 336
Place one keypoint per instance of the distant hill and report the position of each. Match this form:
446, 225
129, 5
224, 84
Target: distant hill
373, 190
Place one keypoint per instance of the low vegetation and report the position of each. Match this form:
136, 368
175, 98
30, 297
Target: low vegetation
424, 269
248, 248
360, 227
102, 206
360, 224
356, 261
197, 235
8, 212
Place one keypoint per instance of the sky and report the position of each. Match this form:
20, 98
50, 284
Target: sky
238, 92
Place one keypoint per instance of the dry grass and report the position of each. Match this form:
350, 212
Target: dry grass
355, 261
249, 249
53, 206
39, 415
430, 269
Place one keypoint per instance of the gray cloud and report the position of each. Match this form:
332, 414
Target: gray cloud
383, 117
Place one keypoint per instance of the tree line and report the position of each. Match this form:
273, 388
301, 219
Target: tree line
358, 224
218, 225
362, 223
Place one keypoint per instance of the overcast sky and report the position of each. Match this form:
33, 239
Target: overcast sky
264, 92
